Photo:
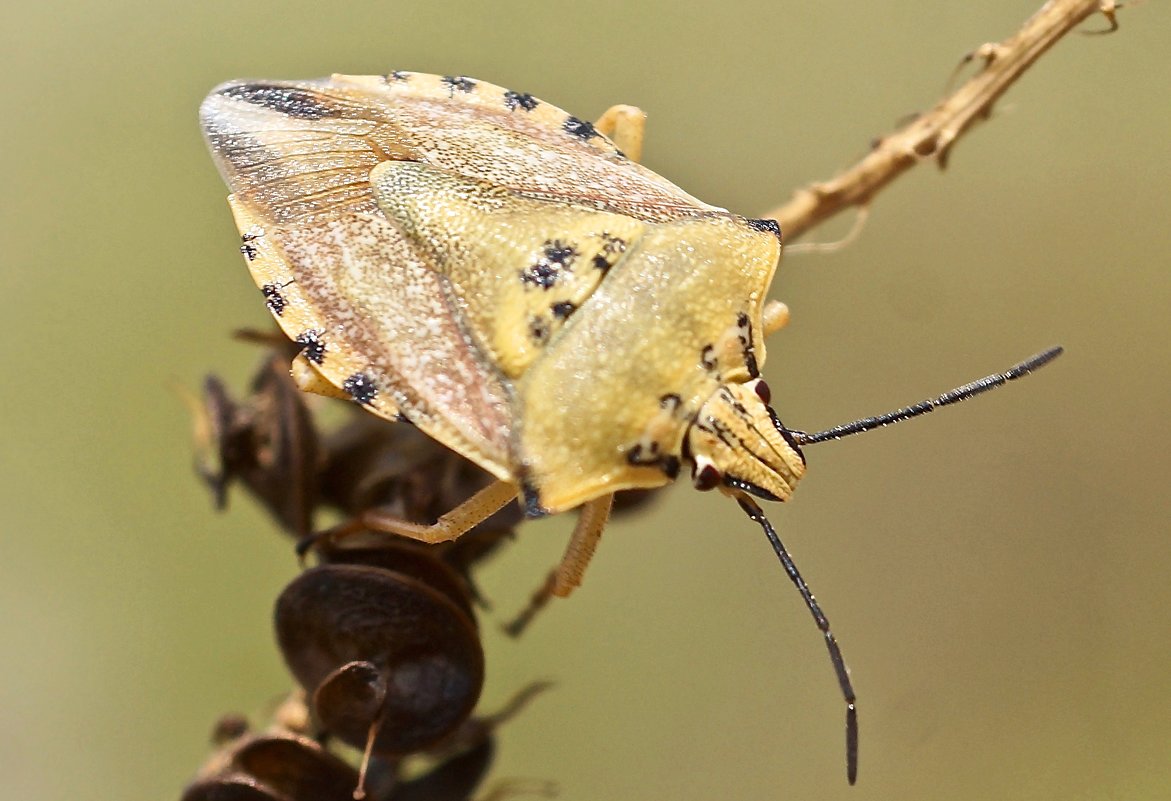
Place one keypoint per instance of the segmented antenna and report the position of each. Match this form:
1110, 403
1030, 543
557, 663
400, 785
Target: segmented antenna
835, 653
857, 427
946, 399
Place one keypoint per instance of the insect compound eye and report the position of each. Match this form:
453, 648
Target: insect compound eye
707, 477
763, 392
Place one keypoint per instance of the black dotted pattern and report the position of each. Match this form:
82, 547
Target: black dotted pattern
312, 345
521, 100
361, 388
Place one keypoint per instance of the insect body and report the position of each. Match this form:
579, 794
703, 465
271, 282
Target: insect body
499, 273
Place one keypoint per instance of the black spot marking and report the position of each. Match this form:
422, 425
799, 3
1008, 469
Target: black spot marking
651, 456
399, 76
612, 248
249, 250
556, 257
312, 345
541, 274
287, 100
580, 128
515, 100
643, 456
563, 309
613, 244
559, 252
274, 299
459, 82
539, 329
361, 388
769, 226
707, 357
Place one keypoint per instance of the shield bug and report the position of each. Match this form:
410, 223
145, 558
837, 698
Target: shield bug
504, 276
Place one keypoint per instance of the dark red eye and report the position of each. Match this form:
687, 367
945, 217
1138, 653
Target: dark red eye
763, 392
707, 478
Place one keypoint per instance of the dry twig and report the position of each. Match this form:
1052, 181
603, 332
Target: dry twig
934, 133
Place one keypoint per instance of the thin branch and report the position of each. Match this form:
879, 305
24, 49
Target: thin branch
934, 133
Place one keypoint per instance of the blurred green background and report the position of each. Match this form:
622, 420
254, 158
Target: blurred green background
997, 573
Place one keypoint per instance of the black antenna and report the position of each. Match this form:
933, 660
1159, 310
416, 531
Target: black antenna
835, 653
946, 399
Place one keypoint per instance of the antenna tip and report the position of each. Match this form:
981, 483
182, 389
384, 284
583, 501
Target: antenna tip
851, 743
1035, 362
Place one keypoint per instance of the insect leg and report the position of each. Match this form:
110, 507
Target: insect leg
307, 379
476, 730
593, 518
563, 579
625, 126
461, 519
775, 316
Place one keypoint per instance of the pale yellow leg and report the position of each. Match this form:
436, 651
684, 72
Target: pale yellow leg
625, 125
563, 579
307, 379
776, 316
586, 534
460, 520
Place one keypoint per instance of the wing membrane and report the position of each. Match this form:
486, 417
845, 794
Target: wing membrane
332, 265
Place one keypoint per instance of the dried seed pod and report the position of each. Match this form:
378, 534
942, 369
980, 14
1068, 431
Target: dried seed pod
271, 443
410, 559
297, 767
268, 442
233, 787
275, 767
423, 664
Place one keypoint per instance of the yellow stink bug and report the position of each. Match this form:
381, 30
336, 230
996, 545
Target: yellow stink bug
501, 274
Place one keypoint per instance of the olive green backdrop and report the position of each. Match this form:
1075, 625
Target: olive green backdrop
996, 573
